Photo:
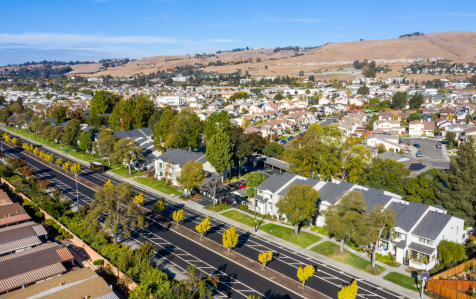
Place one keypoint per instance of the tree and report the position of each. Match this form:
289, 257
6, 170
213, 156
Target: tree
243, 149
77, 114
450, 252
220, 152
451, 137
215, 123
76, 169
345, 219
305, 273
36, 151
55, 133
273, 149
121, 216
59, 113
47, 132
127, 150
159, 206
67, 165
5, 113
253, 180
457, 185
399, 100
416, 101
265, 257
380, 147
213, 182
203, 226
386, 174
177, 215
230, 238
106, 142
378, 221
23, 120
16, 141
71, 133
108, 183
50, 158
139, 198
348, 291
299, 205
192, 174
355, 161
363, 90
85, 140
103, 102
246, 122
59, 161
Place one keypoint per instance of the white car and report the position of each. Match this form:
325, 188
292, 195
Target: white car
423, 137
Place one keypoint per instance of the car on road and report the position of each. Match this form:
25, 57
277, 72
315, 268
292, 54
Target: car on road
438, 145
228, 200
423, 137
416, 145
418, 154
242, 186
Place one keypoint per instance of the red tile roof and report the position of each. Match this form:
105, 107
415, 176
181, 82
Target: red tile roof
32, 276
14, 219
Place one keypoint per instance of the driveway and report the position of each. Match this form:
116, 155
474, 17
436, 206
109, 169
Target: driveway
427, 148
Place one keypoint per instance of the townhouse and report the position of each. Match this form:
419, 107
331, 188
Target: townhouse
421, 128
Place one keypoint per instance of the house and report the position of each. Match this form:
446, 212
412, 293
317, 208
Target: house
12, 214
420, 127
20, 237
388, 126
389, 140
143, 137
169, 164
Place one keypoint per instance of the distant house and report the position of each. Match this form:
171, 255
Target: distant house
420, 127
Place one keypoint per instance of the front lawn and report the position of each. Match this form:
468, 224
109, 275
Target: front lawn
245, 219
402, 280
304, 239
329, 249
125, 172
218, 207
157, 185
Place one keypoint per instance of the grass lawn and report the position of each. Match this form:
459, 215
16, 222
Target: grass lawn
157, 185
304, 239
218, 207
402, 280
245, 219
284, 138
125, 172
329, 249
78, 154
320, 230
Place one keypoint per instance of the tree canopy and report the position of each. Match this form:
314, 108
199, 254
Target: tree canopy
220, 152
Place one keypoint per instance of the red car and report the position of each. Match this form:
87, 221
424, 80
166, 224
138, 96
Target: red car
242, 186
229, 201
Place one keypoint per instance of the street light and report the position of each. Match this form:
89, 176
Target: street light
76, 168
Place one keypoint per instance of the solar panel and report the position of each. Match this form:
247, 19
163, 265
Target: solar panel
416, 167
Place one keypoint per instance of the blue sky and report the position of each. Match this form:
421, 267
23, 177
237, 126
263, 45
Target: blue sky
68, 30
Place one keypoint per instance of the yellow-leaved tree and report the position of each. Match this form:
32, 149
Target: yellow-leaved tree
25, 146
50, 158
139, 198
230, 238
16, 141
59, 161
31, 148
178, 215
305, 273
348, 291
203, 227
7, 137
265, 257
36, 151
159, 205
42, 155
67, 165
108, 183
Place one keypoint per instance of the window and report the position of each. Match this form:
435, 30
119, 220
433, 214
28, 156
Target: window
464, 236
160, 165
260, 192
270, 206
399, 235
425, 241
161, 173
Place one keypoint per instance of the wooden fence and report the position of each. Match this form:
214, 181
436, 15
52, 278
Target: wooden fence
93, 254
436, 287
455, 270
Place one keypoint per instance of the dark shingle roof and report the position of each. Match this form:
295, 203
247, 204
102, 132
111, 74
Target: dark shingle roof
431, 225
410, 215
375, 197
179, 156
331, 191
421, 248
308, 182
275, 182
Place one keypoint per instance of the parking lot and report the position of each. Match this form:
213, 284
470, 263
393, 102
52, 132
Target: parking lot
427, 147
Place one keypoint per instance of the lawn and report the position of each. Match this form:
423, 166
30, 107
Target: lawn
320, 230
157, 185
245, 219
402, 280
125, 172
304, 239
78, 154
329, 249
218, 207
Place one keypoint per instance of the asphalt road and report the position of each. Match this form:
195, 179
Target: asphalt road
427, 147
327, 280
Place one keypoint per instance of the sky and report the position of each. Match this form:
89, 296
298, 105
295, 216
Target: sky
85, 30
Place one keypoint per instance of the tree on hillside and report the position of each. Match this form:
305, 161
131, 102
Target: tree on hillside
115, 205
220, 152
127, 150
399, 100
192, 174
457, 185
85, 140
299, 205
345, 219
252, 181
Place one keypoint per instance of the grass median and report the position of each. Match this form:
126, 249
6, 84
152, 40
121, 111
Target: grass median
330, 249
245, 219
304, 239
402, 280
157, 185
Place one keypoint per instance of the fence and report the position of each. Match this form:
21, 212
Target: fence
455, 270
436, 287
78, 241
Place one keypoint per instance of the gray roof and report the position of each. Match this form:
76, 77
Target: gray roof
275, 182
395, 156
308, 182
401, 244
375, 197
179, 156
276, 163
330, 192
421, 248
431, 225
409, 216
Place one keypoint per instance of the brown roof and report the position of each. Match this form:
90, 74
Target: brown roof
5, 201
20, 232
65, 254
3, 195
15, 219
31, 276
28, 251
14, 209
15, 245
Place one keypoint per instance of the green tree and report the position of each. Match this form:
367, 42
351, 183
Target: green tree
106, 142
115, 205
378, 221
253, 180
299, 205
185, 131
243, 149
220, 152
414, 116
422, 188
103, 102
345, 219
71, 133
192, 174
416, 101
216, 122
47, 132
451, 137
163, 127
5, 113
355, 161
273, 149
127, 150
457, 185
450, 252
55, 133
363, 90
85, 140
23, 120
59, 113
386, 174
399, 100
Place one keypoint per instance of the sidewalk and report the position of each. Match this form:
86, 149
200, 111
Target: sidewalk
304, 251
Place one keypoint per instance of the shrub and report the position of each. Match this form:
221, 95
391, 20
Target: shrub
466, 268
243, 207
449, 251
439, 267
98, 262
68, 236
433, 271
61, 231
428, 293
472, 277
59, 237
57, 226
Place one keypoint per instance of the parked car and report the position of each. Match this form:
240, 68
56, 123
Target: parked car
416, 145
291, 138
242, 186
228, 200
241, 200
423, 137
282, 142
438, 145
418, 154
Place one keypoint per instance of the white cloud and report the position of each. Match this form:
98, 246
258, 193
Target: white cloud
164, 16
61, 38
295, 20
220, 40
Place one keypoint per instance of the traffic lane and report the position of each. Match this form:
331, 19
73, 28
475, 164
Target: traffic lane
238, 272
427, 147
